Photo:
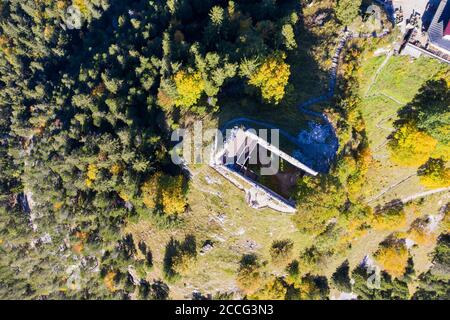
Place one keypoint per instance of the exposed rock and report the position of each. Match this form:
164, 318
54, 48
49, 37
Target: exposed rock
134, 276
208, 245
210, 180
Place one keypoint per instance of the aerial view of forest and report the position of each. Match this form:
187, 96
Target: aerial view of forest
94, 95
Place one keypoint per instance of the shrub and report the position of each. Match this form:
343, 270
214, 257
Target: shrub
411, 147
249, 276
434, 174
393, 256
281, 251
390, 217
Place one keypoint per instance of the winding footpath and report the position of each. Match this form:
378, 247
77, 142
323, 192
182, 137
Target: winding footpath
332, 82
303, 107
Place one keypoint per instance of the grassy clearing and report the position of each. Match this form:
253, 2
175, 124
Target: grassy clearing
368, 70
226, 220
236, 229
380, 112
402, 77
397, 84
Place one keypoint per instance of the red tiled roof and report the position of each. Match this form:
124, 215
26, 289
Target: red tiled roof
447, 30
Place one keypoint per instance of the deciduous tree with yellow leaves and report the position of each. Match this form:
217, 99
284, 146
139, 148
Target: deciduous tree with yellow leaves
411, 147
172, 194
434, 174
272, 77
393, 256
190, 87
166, 192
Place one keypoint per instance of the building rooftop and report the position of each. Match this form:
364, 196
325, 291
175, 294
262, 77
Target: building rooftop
440, 26
447, 30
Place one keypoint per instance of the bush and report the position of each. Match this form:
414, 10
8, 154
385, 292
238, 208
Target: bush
281, 251
249, 276
390, 217
393, 256
347, 11
434, 174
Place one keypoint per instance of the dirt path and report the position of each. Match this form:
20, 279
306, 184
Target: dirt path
391, 187
411, 197
377, 73
424, 194
378, 125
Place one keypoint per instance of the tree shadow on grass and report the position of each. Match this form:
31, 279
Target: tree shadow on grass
175, 251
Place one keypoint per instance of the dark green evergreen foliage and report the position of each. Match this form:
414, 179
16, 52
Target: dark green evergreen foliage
177, 256
341, 278
429, 110
435, 283
144, 290
160, 290
146, 253
366, 286
68, 101
249, 261
293, 268
157, 290
321, 289
126, 247
348, 10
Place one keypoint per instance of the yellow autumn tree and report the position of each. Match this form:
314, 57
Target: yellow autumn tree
249, 277
272, 77
411, 147
434, 174
190, 87
81, 4
446, 220
172, 195
150, 191
274, 289
392, 256
108, 280
116, 169
389, 219
91, 174
166, 192
418, 232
